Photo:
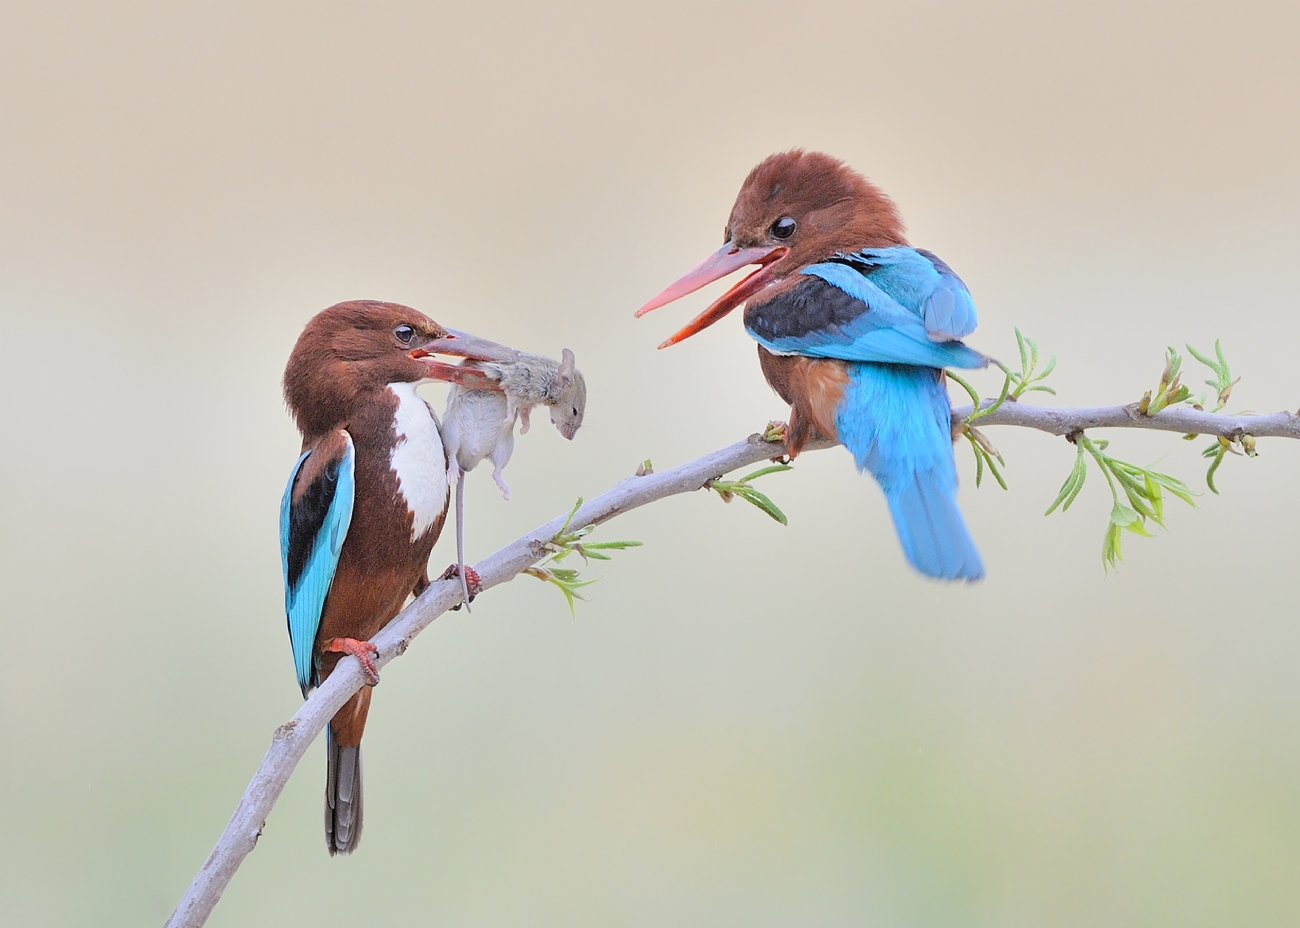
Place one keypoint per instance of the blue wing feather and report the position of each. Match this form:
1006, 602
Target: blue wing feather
923, 283
949, 311
310, 560
885, 332
284, 517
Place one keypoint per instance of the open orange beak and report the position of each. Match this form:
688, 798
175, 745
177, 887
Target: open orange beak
722, 262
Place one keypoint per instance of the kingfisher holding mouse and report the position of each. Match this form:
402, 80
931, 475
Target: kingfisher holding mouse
365, 504
854, 328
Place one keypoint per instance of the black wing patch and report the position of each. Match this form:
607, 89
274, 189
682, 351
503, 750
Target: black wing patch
306, 516
811, 306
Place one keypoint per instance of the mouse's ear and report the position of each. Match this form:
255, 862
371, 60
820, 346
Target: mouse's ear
568, 365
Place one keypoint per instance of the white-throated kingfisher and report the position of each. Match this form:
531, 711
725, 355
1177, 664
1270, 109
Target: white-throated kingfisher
853, 327
365, 504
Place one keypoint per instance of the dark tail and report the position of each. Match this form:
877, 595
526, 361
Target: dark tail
931, 528
342, 795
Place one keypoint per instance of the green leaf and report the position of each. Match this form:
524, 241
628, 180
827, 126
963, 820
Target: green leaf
763, 472
1156, 497
993, 469
1214, 465
1203, 359
762, 502
1121, 515
1174, 486
994, 406
1143, 488
1081, 463
974, 396
566, 542
1111, 548
1073, 484
1140, 504
729, 489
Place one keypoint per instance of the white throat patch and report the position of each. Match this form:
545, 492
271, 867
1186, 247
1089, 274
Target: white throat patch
418, 459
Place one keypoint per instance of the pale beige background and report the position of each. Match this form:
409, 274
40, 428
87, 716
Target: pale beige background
748, 725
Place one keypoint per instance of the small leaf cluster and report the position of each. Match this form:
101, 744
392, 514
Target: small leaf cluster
743, 488
1143, 490
569, 541
1170, 391
1015, 385
1137, 493
1221, 383
1026, 380
1220, 447
985, 454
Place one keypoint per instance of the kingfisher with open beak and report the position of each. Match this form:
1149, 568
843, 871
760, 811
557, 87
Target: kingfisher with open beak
365, 504
854, 328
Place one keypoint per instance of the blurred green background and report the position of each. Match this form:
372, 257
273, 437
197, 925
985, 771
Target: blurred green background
748, 724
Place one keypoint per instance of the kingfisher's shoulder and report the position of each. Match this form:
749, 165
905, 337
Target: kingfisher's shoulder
799, 305
320, 461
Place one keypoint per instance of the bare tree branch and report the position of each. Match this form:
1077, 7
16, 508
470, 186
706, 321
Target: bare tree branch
291, 740
1171, 419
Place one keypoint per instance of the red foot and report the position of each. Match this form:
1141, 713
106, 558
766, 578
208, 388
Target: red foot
363, 651
472, 581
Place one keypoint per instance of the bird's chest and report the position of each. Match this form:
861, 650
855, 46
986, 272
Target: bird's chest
417, 459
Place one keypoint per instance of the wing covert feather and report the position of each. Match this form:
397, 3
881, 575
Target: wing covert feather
841, 313
314, 517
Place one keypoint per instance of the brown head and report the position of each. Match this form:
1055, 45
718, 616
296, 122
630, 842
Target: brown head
348, 352
795, 208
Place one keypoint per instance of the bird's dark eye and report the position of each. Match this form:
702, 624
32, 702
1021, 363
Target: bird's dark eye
404, 334
784, 227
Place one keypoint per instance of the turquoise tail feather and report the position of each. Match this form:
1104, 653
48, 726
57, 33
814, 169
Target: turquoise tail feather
895, 419
932, 531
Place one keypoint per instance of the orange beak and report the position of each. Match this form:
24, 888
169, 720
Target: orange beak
722, 262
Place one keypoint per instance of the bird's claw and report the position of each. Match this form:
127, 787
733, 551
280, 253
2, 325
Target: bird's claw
363, 651
472, 581
777, 433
